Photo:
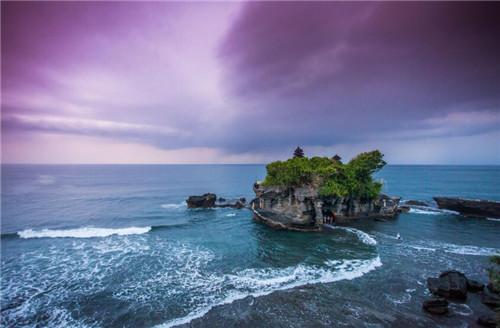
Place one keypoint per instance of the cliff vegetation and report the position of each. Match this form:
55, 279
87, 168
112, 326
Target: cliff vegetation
330, 175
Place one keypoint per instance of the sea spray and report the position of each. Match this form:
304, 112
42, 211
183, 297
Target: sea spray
85, 232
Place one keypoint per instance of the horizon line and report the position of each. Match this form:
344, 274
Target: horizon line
388, 164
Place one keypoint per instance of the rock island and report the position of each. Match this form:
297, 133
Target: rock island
308, 194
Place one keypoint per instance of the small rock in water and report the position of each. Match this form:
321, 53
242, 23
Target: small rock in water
204, 201
450, 284
436, 306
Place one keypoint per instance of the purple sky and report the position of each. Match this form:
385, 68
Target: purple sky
233, 82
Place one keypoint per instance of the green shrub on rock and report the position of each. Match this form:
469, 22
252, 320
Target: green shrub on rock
331, 176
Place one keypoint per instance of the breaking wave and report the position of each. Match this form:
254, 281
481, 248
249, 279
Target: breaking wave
432, 246
85, 232
259, 282
431, 211
363, 236
470, 250
174, 205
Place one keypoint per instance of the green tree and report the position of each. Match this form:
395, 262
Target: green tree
332, 177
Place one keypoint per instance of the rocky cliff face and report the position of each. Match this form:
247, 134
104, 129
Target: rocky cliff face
302, 208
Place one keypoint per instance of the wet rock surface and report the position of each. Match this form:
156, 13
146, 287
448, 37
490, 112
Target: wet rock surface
412, 202
470, 207
204, 201
436, 306
488, 320
474, 286
450, 284
210, 200
297, 208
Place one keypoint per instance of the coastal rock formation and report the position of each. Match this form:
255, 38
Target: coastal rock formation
204, 201
450, 284
474, 286
210, 200
436, 306
490, 299
470, 207
412, 202
302, 208
488, 320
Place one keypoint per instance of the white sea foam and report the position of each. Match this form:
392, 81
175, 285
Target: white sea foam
470, 250
363, 236
426, 212
174, 205
179, 268
259, 282
493, 219
431, 211
455, 249
461, 309
422, 248
231, 214
85, 232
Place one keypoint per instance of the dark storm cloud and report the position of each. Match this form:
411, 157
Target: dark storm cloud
327, 72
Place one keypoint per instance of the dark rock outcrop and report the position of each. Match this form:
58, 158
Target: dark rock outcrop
229, 203
490, 299
210, 200
450, 284
412, 202
487, 321
436, 306
204, 201
474, 286
403, 209
470, 207
302, 208
492, 288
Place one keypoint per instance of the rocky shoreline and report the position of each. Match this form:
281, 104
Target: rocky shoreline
303, 209
454, 286
470, 207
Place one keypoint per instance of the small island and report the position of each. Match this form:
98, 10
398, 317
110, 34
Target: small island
308, 194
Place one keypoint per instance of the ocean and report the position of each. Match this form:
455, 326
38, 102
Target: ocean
115, 246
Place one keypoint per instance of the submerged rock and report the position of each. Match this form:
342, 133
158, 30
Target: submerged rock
450, 284
302, 208
436, 306
470, 207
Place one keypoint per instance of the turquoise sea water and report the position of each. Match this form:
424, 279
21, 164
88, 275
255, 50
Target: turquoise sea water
115, 246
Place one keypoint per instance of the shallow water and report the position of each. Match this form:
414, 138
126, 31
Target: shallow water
115, 246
